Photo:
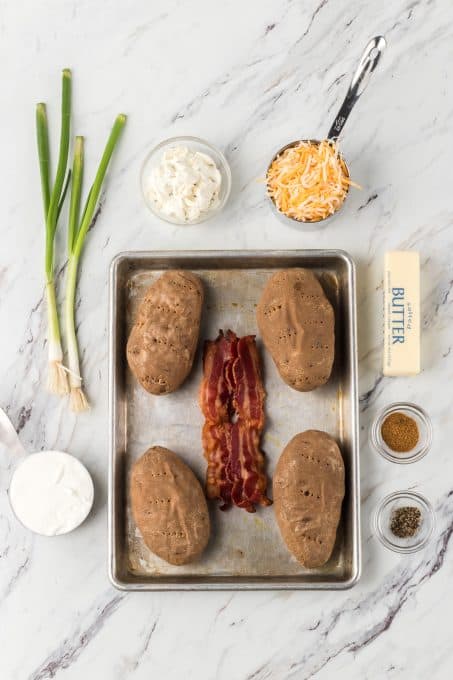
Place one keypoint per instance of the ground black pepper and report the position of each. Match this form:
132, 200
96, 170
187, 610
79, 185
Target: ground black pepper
405, 521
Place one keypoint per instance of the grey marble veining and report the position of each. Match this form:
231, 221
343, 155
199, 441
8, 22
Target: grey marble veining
248, 76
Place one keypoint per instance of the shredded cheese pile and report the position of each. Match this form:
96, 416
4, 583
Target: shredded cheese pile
309, 181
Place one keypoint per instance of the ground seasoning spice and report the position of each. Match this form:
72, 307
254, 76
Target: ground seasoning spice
405, 522
400, 432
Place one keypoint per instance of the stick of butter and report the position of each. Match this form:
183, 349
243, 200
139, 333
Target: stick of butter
402, 313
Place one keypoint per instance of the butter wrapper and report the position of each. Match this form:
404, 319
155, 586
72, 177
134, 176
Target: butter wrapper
402, 313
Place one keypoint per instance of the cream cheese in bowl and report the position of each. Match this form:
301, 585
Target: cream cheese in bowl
185, 180
185, 184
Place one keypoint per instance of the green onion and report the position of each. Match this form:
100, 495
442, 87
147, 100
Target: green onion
77, 231
52, 202
42, 134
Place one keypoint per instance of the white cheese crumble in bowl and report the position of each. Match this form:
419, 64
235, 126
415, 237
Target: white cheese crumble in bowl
185, 180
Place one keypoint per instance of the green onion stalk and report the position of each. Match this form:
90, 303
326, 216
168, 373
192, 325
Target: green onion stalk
77, 230
52, 202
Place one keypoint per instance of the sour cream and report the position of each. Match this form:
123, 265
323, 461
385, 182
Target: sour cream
51, 492
185, 185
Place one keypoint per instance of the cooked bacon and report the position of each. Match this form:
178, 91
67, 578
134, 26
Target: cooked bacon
232, 401
248, 388
217, 451
215, 390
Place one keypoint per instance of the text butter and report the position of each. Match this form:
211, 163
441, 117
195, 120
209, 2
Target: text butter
401, 313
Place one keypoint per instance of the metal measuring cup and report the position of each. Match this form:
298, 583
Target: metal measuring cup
368, 62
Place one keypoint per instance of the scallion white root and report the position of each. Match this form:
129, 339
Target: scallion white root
78, 400
57, 381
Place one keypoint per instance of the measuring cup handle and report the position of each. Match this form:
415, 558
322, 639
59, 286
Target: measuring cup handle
9, 437
368, 62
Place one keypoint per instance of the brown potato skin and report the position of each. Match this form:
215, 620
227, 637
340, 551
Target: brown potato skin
162, 343
296, 322
308, 492
169, 506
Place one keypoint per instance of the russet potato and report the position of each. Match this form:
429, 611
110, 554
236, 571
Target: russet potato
296, 322
308, 490
163, 340
169, 506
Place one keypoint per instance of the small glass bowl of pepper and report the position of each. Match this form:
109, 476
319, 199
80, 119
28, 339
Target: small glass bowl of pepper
402, 433
404, 521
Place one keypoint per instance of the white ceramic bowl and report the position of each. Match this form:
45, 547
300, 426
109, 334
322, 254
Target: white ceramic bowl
58, 499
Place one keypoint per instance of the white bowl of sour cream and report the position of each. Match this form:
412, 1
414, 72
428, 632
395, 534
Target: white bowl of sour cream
185, 180
51, 492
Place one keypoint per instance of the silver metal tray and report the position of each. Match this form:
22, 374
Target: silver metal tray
246, 551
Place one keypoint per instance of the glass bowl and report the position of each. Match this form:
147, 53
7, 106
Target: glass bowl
382, 518
425, 430
194, 144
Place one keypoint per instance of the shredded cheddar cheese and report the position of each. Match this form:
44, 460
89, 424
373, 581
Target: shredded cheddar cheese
309, 181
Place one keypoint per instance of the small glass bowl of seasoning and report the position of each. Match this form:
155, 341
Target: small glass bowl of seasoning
402, 433
404, 521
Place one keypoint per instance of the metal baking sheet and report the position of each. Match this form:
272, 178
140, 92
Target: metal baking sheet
246, 550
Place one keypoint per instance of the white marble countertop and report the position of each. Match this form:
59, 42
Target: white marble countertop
248, 76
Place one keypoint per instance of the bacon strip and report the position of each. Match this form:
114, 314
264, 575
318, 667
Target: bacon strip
215, 390
232, 401
249, 391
